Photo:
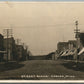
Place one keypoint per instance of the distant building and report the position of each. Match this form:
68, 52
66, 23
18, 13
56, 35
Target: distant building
56, 54
1, 47
30, 54
20, 50
25, 55
21, 53
51, 56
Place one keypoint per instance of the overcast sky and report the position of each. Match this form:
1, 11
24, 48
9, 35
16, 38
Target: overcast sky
41, 25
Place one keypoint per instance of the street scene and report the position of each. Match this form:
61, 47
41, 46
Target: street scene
37, 70
41, 41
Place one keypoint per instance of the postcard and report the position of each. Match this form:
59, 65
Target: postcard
41, 40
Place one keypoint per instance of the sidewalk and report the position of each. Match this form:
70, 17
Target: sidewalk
74, 65
11, 65
74, 61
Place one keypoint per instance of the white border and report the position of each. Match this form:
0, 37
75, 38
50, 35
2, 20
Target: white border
42, 81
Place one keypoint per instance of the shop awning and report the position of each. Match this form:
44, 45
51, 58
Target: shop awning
65, 52
68, 52
61, 52
82, 51
72, 52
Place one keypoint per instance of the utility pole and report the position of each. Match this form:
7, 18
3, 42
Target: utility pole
26, 52
7, 43
11, 42
11, 31
77, 31
7, 34
23, 45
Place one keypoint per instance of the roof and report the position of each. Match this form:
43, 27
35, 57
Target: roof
72, 41
1, 35
62, 42
9, 38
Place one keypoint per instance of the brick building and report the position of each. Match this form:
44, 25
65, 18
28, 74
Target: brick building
21, 53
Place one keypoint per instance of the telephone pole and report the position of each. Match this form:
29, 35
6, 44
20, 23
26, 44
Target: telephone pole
27, 57
7, 34
11, 42
7, 43
77, 31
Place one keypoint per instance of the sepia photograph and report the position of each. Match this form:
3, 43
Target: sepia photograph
41, 40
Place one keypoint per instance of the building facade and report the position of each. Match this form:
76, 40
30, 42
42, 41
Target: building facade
81, 56
62, 46
66, 49
81, 40
1, 47
9, 46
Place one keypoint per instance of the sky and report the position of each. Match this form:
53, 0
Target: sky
41, 25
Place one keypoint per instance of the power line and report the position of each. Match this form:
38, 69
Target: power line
37, 26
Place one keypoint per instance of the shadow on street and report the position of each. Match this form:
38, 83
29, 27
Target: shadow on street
74, 66
10, 66
19, 78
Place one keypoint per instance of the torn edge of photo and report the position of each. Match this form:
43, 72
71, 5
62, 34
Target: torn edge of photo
42, 41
